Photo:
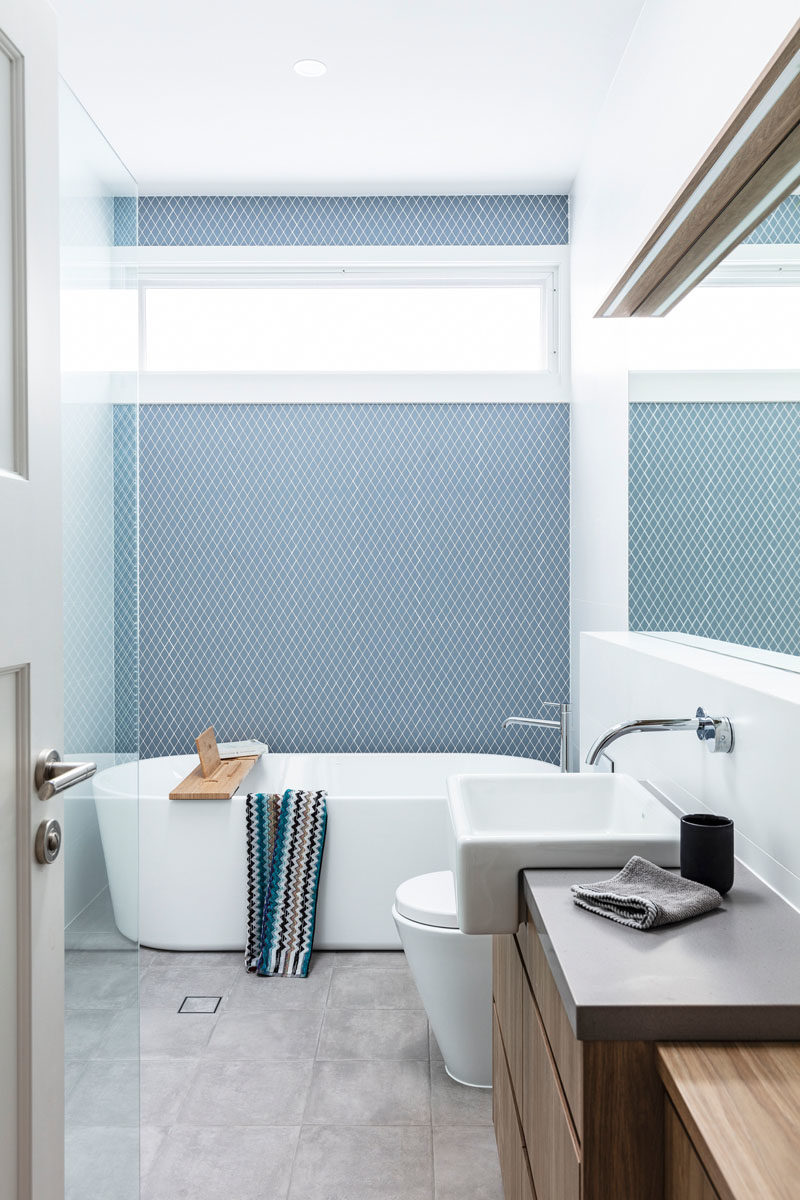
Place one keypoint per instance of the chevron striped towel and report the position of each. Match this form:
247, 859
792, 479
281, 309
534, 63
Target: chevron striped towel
285, 840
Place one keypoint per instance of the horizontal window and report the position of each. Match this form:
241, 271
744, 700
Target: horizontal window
346, 328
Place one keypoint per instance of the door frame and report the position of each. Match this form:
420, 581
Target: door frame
30, 591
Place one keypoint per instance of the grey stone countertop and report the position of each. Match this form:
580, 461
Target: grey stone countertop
731, 974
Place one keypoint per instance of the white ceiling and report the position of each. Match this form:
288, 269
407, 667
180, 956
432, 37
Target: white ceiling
420, 95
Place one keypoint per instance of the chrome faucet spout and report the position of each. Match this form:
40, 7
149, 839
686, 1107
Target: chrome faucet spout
716, 732
563, 725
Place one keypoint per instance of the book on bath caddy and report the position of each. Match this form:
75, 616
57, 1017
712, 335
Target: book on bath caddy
241, 749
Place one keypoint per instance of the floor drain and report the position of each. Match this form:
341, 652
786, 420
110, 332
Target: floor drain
200, 1004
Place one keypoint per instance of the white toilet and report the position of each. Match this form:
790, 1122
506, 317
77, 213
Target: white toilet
453, 971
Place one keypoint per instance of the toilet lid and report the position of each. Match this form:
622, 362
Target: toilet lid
429, 899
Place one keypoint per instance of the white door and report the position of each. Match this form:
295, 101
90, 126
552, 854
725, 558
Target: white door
31, 895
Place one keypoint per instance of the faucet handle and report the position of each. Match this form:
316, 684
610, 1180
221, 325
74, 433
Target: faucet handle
716, 732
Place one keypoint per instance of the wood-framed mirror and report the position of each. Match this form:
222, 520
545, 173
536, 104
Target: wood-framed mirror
751, 167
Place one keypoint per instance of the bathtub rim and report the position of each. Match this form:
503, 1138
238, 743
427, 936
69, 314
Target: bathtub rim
120, 787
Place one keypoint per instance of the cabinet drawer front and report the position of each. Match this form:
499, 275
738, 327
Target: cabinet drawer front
565, 1047
684, 1174
549, 1139
508, 980
513, 1159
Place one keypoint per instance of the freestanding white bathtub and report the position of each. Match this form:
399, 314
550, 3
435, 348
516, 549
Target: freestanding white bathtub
387, 821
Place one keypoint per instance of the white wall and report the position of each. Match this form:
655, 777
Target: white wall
630, 675
687, 66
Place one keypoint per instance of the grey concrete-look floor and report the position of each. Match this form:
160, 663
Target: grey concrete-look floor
328, 1088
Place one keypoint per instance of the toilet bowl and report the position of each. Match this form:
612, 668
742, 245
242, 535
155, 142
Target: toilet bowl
453, 972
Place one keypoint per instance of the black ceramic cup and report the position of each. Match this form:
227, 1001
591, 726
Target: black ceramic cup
707, 850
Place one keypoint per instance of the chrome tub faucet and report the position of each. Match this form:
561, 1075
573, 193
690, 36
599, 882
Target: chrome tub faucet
715, 732
563, 725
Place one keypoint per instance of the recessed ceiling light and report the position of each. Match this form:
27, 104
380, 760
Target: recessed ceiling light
310, 67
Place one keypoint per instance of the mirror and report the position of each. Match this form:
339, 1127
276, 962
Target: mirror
714, 428
714, 455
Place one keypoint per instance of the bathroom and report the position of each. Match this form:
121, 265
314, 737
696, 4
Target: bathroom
350, 459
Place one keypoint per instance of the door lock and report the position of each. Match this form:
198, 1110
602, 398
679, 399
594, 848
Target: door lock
48, 842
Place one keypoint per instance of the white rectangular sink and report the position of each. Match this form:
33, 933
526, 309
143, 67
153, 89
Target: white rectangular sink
503, 824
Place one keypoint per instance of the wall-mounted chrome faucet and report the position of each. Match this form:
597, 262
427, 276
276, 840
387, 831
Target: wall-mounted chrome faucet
563, 725
716, 732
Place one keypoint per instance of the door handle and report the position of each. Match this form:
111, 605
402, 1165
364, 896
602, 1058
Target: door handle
51, 775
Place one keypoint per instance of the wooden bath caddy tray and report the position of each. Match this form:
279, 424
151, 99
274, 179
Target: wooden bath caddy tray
215, 778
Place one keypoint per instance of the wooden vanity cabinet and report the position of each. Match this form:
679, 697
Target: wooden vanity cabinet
732, 1131
684, 1174
587, 1116
604, 1120
516, 1172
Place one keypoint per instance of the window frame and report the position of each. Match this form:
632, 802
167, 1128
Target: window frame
255, 266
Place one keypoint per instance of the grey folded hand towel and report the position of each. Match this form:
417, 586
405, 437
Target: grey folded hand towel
644, 896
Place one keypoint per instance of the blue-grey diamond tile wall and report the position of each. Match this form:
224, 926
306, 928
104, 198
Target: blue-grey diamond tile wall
126, 580
87, 221
353, 220
353, 577
88, 560
781, 227
714, 510
125, 220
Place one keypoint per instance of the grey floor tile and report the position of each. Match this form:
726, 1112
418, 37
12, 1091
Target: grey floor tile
107, 1093
360, 1163
247, 1093
369, 1093
267, 1036
185, 961
465, 1164
384, 1033
165, 1083
86, 1030
254, 994
223, 1096
73, 1069
166, 988
386, 960
353, 987
102, 1162
168, 1034
222, 1164
146, 956
455, 1104
95, 928
122, 1037
151, 1140
435, 1052
101, 979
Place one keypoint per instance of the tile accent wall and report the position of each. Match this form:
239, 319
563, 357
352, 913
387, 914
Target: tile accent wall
100, 579
126, 580
351, 221
125, 219
87, 221
88, 558
353, 577
714, 511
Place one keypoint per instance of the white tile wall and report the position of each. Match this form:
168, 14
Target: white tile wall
629, 675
